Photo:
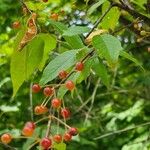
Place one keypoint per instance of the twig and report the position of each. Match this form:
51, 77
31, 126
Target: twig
48, 128
121, 131
93, 98
99, 20
31, 101
7, 147
133, 12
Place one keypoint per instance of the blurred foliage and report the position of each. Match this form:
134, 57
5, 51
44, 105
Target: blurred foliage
125, 104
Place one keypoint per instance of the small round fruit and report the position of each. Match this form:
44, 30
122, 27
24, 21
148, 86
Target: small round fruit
54, 16
48, 91
56, 103
67, 137
79, 66
38, 110
36, 88
62, 74
46, 143
30, 125
65, 113
27, 131
16, 25
69, 85
57, 138
73, 131
6, 138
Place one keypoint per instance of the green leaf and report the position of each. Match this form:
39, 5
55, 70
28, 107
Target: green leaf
60, 146
60, 27
111, 19
95, 6
61, 62
75, 30
49, 45
100, 70
74, 41
130, 57
5, 108
24, 62
107, 46
34, 55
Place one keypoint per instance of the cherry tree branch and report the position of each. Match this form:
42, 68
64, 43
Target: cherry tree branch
121, 131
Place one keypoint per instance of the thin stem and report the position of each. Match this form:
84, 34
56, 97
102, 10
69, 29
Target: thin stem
93, 98
40, 120
7, 146
33, 144
61, 122
48, 128
121, 131
31, 101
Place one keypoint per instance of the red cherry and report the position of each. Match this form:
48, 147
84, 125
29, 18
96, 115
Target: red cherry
79, 66
54, 16
70, 85
67, 137
65, 113
57, 138
56, 103
27, 131
6, 138
30, 125
38, 110
73, 131
36, 88
48, 91
46, 143
16, 25
62, 74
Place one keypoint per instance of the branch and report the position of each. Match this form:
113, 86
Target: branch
133, 12
99, 20
121, 131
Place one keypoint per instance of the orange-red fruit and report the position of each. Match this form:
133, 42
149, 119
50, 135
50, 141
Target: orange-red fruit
69, 85
62, 74
67, 137
38, 110
54, 16
30, 125
56, 103
46, 143
65, 113
36, 88
57, 138
6, 138
16, 25
27, 131
73, 131
79, 66
48, 91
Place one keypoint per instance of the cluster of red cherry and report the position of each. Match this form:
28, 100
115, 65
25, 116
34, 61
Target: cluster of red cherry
28, 129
